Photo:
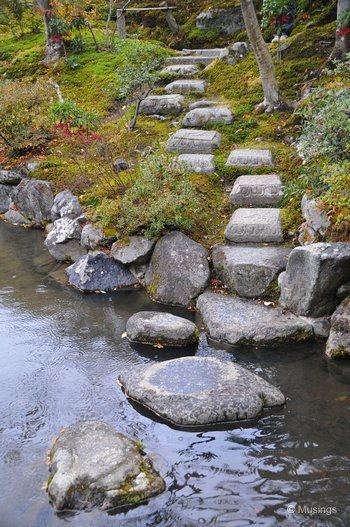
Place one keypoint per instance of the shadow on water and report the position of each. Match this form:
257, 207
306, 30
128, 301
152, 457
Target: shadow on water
60, 355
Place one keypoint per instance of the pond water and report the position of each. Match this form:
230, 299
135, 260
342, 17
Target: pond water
60, 355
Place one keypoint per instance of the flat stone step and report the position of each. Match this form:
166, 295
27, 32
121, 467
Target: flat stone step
162, 105
186, 86
257, 190
204, 103
199, 163
248, 157
188, 141
181, 70
255, 226
237, 321
190, 59
213, 114
215, 53
249, 271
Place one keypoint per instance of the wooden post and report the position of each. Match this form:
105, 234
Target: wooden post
121, 22
174, 28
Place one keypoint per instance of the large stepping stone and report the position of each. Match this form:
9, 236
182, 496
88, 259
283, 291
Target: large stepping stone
248, 157
190, 59
162, 105
153, 327
203, 116
257, 190
249, 271
93, 465
199, 163
181, 70
194, 141
186, 86
255, 226
194, 391
234, 321
215, 53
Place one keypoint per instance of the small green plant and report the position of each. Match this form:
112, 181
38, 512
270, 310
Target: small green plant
72, 63
68, 113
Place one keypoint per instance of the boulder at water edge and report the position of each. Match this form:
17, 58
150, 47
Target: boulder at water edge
93, 465
9, 177
34, 199
136, 250
338, 344
91, 237
314, 274
65, 205
99, 272
63, 240
234, 320
5, 198
195, 391
178, 271
152, 327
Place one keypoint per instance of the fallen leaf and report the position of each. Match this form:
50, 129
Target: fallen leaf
341, 398
124, 335
159, 346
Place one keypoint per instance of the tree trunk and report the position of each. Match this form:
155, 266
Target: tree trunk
121, 22
342, 36
54, 48
272, 98
169, 17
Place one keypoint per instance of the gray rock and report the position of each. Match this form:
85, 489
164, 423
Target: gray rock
136, 250
120, 165
5, 198
186, 86
203, 116
255, 226
194, 391
99, 272
63, 240
204, 103
249, 157
32, 165
257, 190
191, 59
34, 200
215, 53
162, 105
249, 271
178, 271
93, 465
16, 218
91, 237
9, 177
313, 276
237, 321
320, 326
152, 327
240, 49
186, 141
65, 205
338, 344
181, 70
228, 21
316, 224
199, 163
343, 291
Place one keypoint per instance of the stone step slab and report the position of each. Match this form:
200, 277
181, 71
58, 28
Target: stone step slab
257, 190
211, 115
255, 226
188, 141
215, 53
200, 60
204, 103
176, 70
249, 271
248, 157
199, 163
162, 105
186, 86
239, 321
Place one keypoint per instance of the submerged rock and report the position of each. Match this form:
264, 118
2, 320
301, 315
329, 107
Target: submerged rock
178, 270
93, 465
66, 205
234, 320
34, 199
99, 272
136, 250
16, 218
152, 327
200, 391
338, 344
313, 276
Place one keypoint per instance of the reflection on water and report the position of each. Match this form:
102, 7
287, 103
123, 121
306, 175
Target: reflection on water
60, 354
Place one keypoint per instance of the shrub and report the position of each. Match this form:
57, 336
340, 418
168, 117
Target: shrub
336, 197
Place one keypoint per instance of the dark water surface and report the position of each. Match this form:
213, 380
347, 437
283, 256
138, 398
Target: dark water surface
60, 354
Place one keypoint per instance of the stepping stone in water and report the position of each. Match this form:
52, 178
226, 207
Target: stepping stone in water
255, 226
204, 103
257, 190
187, 141
202, 116
215, 53
249, 271
238, 321
153, 327
186, 86
180, 70
194, 391
191, 59
199, 163
248, 157
162, 105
